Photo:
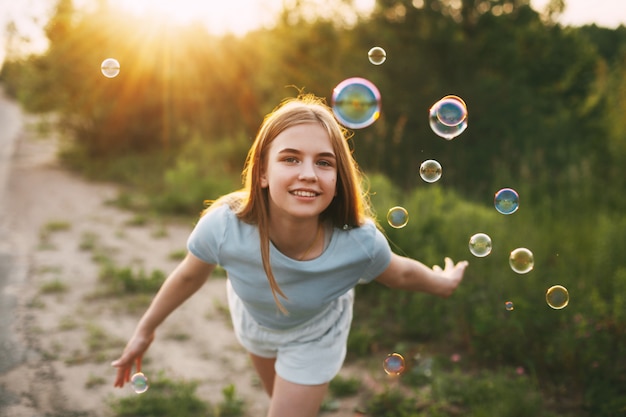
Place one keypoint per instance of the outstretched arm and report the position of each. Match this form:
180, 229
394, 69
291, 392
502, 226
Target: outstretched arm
184, 281
412, 275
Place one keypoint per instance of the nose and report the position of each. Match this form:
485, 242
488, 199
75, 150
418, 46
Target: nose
307, 172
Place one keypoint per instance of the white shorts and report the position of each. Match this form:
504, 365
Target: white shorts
309, 354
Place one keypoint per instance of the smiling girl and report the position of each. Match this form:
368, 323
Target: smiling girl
295, 241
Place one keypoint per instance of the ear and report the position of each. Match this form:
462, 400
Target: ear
263, 180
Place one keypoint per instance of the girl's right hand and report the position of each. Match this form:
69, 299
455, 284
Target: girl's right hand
133, 353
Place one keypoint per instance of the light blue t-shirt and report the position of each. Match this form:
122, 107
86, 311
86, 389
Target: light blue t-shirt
352, 256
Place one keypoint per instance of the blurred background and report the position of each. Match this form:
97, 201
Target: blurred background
545, 87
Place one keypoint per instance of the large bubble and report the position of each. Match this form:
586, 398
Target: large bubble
521, 260
480, 245
430, 170
377, 55
557, 297
394, 364
506, 201
448, 117
110, 67
397, 217
356, 103
139, 383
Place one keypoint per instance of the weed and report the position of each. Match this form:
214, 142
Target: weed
344, 387
138, 220
54, 286
94, 381
231, 405
68, 323
177, 255
88, 241
166, 398
125, 280
57, 226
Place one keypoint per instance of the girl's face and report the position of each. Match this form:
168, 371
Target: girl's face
300, 172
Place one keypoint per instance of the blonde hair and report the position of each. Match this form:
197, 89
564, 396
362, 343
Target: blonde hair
350, 207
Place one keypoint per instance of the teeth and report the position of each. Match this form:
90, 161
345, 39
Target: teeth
300, 193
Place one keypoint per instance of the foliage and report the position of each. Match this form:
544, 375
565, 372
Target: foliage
166, 398
546, 106
177, 398
453, 393
126, 280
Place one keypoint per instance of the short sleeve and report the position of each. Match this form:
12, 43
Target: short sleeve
207, 236
380, 256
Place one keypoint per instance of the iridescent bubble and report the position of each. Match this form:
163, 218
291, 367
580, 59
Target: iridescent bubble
356, 103
397, 217
394, 364
139, 383
521, 260
480, 245
377, 55
557, 297
448, 117
509, 305
506, 201
110, 67
430, 170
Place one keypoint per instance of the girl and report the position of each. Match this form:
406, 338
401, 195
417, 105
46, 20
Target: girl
295, 241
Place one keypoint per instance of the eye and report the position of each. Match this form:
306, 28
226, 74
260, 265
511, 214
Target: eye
325, 163
290, 159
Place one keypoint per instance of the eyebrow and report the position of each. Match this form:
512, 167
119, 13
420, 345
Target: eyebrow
296, 151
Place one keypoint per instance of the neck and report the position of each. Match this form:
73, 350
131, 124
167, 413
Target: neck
301, 242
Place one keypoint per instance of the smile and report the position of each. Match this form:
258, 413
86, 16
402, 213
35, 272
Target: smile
302, 193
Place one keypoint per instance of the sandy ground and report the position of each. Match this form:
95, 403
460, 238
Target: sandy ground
68, 335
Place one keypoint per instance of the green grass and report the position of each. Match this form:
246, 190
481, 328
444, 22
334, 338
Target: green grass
54, 286
177, 398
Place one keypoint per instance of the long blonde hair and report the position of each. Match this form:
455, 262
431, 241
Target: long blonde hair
350, 207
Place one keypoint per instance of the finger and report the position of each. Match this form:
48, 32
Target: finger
437, 268
448, 262
119, 380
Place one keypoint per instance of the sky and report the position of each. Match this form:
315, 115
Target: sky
238, 16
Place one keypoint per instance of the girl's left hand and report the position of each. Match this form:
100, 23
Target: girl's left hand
452, 274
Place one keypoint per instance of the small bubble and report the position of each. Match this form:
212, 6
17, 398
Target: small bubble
139, 383
397, 217
356, 103
110, 67
394, 364
480, 245
430, 170
506, 201
557, 297
377, 55
448, 117
509, 305
521, 260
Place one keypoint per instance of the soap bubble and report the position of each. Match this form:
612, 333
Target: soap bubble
430, 170
394, 364
509, 305
448, 117
377, 55
110, 67
480, 245
521, 260
139, 383
506, 201
557, 297
397, 217
356, 103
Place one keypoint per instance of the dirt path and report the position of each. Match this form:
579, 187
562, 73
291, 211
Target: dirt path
62, 336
